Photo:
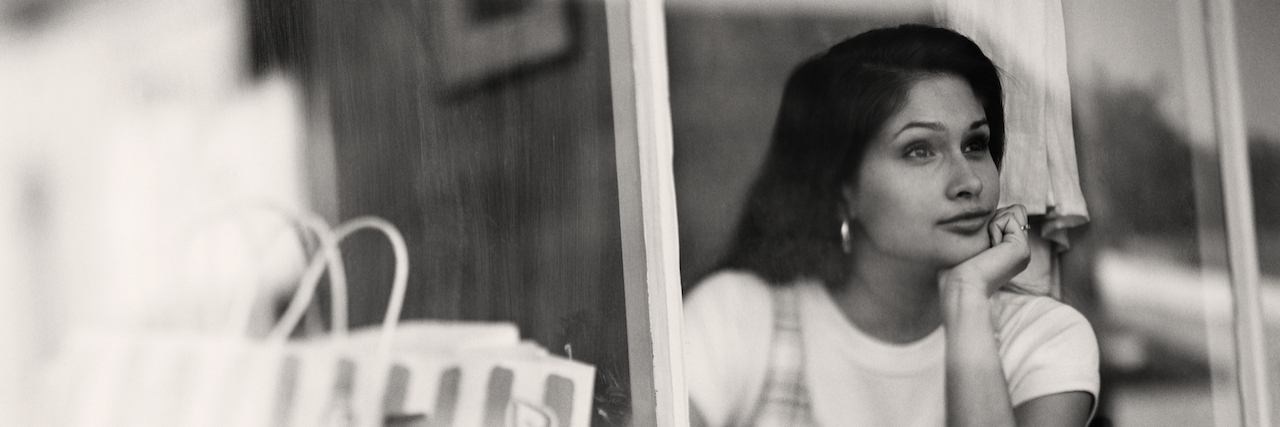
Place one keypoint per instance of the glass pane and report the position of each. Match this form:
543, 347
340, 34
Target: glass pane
481, 129
1148, 271
489, 137
1256, 40
1151, 266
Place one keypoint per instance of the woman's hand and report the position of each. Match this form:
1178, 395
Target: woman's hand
977, 392
992, 268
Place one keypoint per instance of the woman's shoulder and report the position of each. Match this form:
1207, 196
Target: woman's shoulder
1042, 316
729, 288
1046, 347
1027, 307
728, 301
727, 334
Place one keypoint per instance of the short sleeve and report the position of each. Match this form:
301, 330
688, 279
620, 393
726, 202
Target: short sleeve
727, 321
1048, 348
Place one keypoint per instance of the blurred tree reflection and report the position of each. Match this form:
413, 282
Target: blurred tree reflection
1138, 172
1146, 166
1136, 167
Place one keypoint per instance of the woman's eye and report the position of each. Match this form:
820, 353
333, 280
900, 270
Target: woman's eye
978, 144
919, 151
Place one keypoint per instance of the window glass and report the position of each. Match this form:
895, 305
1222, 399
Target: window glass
1153, 263
1256, 38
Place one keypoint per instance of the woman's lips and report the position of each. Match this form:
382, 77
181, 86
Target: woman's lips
966, 223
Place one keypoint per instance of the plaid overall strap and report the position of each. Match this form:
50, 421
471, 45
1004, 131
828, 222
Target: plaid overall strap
784, 400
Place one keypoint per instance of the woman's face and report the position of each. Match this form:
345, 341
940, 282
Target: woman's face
928, 185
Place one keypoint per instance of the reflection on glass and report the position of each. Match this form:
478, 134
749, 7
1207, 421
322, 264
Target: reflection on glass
485, 129
1149, 270
481, 129
1258, 60
1153, 262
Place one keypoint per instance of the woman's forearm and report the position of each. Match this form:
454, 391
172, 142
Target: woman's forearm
977, 394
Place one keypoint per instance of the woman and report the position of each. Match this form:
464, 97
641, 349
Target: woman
863, 286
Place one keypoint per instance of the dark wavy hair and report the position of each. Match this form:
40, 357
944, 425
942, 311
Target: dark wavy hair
832, 106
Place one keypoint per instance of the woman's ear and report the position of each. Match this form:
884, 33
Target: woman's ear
848, 202
848, 215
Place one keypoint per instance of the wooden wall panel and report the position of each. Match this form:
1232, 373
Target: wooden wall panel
507, 192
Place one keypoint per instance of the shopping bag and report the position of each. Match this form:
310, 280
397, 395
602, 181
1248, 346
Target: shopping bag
144, 378
479, 374
165, 378
334, 380
489, 387
135, 379
431, 373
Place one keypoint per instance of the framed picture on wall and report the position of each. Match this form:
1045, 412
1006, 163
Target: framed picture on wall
475, 41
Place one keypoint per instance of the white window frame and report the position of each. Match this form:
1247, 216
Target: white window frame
647, 207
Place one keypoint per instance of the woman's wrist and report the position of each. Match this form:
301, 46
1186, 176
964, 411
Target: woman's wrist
958, 287
964, 297
971, 336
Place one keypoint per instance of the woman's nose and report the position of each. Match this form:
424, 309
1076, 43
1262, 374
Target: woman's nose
964, 181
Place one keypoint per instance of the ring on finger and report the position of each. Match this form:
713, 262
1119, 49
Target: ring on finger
1025, 227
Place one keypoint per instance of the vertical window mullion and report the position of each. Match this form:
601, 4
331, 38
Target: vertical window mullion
647, 207
1242, 248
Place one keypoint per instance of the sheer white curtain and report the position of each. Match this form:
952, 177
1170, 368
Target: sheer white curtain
1026, 39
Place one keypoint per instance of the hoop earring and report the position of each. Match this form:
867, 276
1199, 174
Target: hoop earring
846, 243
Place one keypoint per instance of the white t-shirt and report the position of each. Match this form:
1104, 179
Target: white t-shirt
854, 379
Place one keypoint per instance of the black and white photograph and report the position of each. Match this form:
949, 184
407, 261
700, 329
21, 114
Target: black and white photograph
648, 213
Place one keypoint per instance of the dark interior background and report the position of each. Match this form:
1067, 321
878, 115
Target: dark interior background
505, 187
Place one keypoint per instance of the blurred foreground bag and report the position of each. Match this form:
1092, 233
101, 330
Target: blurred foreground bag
419, 373
151, 378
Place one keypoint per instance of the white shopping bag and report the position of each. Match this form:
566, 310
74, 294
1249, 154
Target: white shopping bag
157, 378
337, 380
116, 379
489, 386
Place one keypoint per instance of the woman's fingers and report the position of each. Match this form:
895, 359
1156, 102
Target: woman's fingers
1019, 214
1008, 255
1008, 221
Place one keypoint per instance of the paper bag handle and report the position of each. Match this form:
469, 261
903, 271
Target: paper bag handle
399, 284
330, 255
371, 405
241, 310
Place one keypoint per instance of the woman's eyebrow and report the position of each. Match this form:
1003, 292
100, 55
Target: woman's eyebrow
936, 126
